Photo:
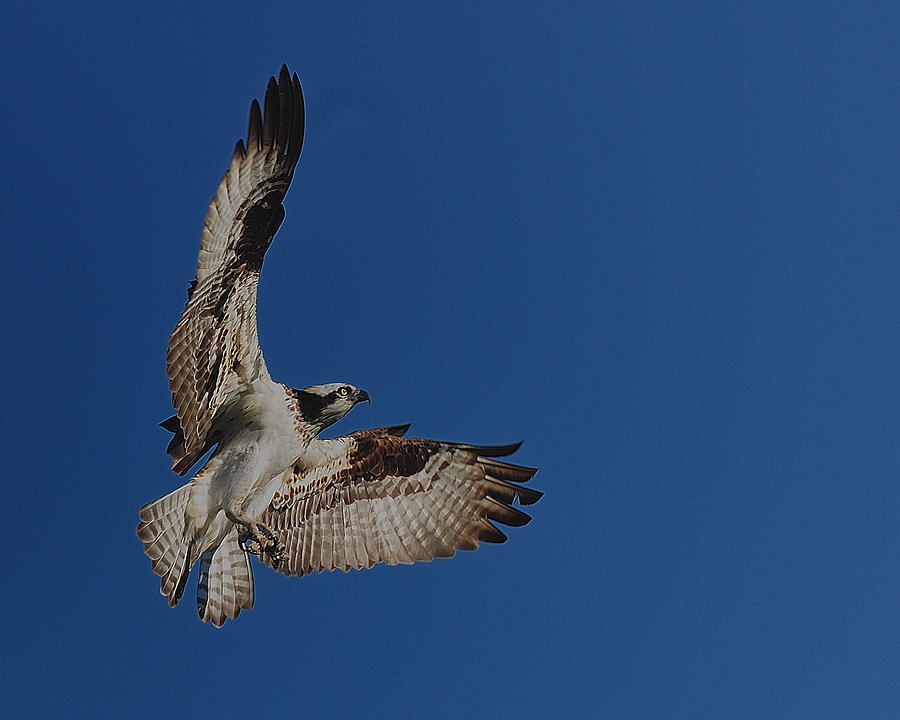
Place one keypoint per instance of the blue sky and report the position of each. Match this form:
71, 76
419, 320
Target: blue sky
656, 241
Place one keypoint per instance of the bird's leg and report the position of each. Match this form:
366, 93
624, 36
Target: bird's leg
257, 538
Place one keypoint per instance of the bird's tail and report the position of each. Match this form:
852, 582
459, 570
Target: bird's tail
226, 581
163, 532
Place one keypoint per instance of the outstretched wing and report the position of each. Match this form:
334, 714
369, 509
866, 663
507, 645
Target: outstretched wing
379, 497
214, 349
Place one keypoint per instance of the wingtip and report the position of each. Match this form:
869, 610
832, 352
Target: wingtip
501, 512
488, 532
271, 113
254, 127
528, 496
494, 450
171, 424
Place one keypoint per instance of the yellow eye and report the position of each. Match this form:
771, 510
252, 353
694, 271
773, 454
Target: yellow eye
344, 391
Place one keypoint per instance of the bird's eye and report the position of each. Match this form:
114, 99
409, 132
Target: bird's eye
344, 391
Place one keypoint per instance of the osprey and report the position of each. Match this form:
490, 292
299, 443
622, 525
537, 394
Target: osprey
271, 487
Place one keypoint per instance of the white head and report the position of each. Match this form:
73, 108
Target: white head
324, 405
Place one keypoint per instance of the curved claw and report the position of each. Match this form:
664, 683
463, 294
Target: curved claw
275, 551
251, 546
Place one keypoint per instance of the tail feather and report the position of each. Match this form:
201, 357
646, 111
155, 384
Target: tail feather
162, 530
226, 582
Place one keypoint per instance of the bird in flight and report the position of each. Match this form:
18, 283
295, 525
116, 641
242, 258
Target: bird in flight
271, 487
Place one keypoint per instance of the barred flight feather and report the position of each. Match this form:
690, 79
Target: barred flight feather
382, 497
214, 348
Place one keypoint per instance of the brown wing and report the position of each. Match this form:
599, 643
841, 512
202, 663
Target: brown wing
378, 497
214, 349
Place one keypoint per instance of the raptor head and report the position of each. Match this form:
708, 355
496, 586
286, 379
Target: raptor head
324, 405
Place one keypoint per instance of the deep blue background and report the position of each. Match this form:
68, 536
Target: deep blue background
658, 242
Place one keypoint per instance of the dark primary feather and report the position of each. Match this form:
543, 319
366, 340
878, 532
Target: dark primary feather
381, 497
182, 462
215, 347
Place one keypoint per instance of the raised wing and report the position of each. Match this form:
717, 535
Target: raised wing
379, 497
214, 349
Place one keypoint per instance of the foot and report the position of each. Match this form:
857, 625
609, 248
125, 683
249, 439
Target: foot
258, 539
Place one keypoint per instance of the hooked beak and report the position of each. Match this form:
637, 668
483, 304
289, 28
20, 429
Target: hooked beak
363, 395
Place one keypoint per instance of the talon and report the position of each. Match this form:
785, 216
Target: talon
253, 547
256, 539
275, 550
